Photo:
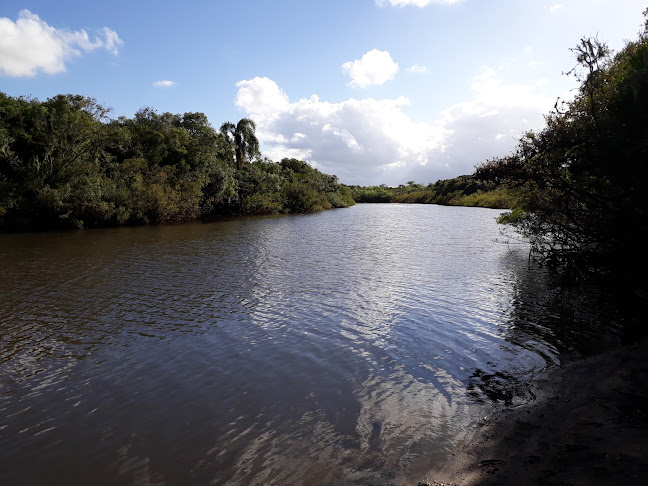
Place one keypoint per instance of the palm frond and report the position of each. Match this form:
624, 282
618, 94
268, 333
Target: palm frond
228, 129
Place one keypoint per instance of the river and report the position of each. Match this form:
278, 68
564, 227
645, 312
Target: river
351, 346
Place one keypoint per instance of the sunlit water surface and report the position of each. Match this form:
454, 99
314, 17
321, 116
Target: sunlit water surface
343, 347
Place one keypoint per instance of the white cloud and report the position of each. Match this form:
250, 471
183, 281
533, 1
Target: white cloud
163, 84
374, 141
261, 93
416, 68
375, 68
415, 3
30, 45
489, 124
555, 8
111, 41
348, 138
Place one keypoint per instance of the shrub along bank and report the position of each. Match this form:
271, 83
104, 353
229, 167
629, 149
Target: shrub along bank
65, 164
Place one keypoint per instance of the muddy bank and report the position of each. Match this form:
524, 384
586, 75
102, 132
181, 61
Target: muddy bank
588, 425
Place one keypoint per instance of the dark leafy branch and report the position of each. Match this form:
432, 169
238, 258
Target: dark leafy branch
582, 178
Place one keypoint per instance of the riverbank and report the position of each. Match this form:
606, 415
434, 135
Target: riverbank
587, 426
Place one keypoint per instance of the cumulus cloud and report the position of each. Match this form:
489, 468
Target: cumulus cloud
29, 45
374, 141
556, 8
163, 84
347, 138
491, 122
375, 68
261, 93
415, 3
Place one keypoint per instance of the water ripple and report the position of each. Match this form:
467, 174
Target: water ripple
328, 348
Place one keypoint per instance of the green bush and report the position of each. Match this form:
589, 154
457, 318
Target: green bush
263, 203
303, 198
498, 199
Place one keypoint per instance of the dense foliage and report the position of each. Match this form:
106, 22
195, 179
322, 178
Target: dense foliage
64, 163
584, 176
465, 190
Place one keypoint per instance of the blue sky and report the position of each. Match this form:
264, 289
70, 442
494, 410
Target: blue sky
374, 91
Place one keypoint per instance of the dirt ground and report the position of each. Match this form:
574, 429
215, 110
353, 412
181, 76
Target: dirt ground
587, 426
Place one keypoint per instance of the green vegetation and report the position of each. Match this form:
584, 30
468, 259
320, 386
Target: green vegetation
64, 163
242, 138
582, 179
466, 190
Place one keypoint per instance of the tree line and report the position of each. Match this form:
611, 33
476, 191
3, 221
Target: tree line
464, 190
64, 163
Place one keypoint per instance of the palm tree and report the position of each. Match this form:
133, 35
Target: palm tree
242, 137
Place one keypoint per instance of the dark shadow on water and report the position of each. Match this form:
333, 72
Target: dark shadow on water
584, 423
561, 322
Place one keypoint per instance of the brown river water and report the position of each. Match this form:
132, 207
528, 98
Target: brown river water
352, 346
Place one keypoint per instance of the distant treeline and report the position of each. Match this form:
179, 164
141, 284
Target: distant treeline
465, 190
64, 163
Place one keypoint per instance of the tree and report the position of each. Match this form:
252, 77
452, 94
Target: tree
51, 158
64, 163
583, 176
241, 136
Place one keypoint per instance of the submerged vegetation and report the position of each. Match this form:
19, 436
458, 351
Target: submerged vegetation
64, 163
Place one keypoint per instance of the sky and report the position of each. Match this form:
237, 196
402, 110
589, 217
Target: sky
373, 91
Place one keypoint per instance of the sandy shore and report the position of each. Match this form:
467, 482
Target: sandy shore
587, 426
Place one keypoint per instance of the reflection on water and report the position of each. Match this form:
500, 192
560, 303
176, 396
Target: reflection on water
333, 348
